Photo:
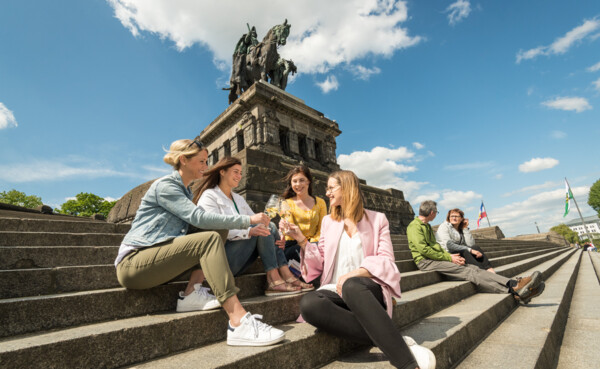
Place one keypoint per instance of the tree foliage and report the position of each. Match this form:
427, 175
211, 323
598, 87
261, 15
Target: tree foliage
86, 204
569, 234
594, 197
14, 197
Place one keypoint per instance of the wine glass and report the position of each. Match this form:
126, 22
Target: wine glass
273, 206
285, 213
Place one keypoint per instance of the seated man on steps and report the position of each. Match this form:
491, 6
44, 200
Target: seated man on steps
430, 256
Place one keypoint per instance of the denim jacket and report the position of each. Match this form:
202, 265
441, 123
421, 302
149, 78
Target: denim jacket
167, 209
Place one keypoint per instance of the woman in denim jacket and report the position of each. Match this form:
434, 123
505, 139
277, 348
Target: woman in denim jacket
157, 248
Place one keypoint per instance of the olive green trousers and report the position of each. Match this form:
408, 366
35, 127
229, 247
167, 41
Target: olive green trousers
154, 265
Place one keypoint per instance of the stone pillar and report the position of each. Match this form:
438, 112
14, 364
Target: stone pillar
294, 142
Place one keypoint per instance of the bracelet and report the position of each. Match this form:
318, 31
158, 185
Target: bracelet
301, 242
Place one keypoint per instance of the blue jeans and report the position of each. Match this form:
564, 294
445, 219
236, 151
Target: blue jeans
242, 253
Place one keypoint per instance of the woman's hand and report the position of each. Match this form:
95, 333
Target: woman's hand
476, 253
280, 242
465, 223
294, 232
259, 230
340, 282
260, 218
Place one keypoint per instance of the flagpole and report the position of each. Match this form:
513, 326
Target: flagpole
580, 217
487, 216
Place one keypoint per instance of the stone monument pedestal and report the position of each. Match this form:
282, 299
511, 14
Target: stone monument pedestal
271, 131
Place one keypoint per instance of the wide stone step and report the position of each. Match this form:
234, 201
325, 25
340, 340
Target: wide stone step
530, 337
30, 257
316, 348
45, 281
453, 331
127, 341
69, 226
59, 239
583, 324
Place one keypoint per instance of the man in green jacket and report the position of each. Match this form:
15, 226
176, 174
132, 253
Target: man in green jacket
430, 256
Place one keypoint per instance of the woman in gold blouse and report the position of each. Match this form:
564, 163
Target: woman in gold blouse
305, 210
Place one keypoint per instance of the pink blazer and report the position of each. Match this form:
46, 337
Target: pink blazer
374, 232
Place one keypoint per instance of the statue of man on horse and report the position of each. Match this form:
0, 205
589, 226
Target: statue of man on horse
254, 61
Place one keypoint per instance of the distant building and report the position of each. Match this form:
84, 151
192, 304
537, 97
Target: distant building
592, 224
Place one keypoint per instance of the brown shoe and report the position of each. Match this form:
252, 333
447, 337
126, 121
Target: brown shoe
534, 293
526, 285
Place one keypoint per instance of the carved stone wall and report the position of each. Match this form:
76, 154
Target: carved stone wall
271, 131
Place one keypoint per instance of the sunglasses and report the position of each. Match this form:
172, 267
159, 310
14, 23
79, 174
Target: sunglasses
197, 143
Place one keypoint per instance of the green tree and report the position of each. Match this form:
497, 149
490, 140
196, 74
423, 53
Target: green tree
14, 197
594, 197
569, 234
86, 204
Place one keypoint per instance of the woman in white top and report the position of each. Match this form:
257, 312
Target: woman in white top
215, 195
359, 276
454, 236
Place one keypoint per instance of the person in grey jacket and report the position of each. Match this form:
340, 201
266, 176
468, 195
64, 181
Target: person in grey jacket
454, 236
157, 248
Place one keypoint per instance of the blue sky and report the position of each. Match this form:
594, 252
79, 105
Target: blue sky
458, 101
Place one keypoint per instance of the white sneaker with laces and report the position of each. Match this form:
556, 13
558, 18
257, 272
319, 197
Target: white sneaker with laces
200, 299
424, 356
253, 332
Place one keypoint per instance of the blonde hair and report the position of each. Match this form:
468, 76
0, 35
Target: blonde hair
352, 197
181, 148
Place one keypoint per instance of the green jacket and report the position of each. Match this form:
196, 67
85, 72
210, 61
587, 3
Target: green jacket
422, 243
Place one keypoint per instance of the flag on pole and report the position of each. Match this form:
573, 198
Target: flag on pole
482, 214
568, 197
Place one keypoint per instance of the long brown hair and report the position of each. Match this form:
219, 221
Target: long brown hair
212, 177
462, 215
289, 192
352, 197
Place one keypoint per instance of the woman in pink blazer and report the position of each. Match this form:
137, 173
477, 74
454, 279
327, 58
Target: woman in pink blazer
355, 259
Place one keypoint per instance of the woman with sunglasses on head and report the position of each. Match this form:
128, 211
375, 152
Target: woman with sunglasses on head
215, 195
304, 209
157, 249
454, 236
355, 259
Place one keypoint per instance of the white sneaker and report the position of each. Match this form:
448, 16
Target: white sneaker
200, 299
253, 332
424, 356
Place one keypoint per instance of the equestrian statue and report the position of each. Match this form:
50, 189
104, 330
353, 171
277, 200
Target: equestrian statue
254, 61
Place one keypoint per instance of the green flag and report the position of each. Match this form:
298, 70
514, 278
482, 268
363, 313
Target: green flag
569, 196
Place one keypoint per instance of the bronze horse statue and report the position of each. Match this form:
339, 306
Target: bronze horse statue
260, 61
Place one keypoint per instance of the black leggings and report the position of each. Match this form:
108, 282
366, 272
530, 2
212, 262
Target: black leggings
359, 316
481, 262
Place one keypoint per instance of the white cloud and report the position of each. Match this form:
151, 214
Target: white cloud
109, 199
594, 68
362, 72
596, 84
545, 208
535, 188
329, 84
458, 199
418, 145
467, 166
562, 44
419, 199
558, 134
530, 91
7, 118
499, 176
537, 164
458, 11
381, 167
324, 34
577, 104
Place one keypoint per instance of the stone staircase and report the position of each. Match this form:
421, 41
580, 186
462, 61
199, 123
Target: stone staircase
62, 307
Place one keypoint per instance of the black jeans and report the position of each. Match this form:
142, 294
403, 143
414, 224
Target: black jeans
481, 262
359, 316
292, 250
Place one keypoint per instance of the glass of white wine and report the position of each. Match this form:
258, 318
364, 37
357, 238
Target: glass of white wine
273, 206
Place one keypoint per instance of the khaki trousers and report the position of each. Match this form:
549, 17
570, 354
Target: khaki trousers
484, 280
152, 266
